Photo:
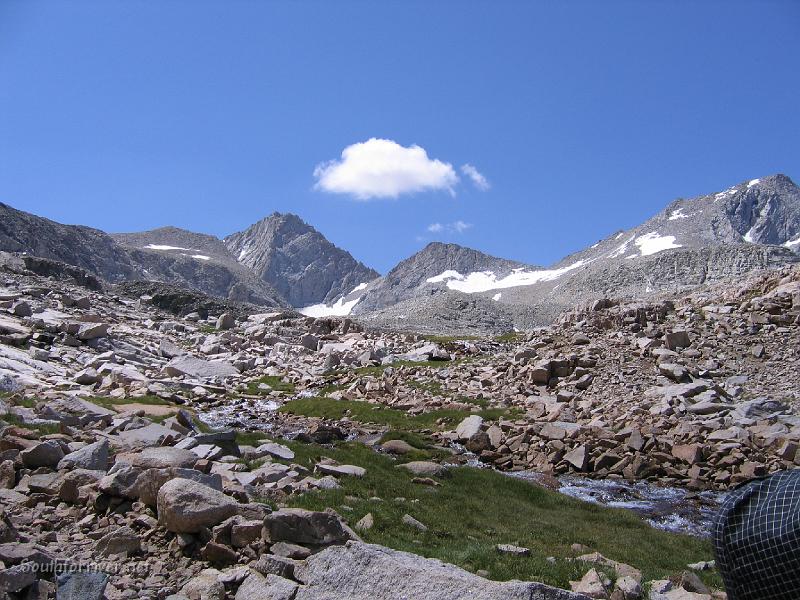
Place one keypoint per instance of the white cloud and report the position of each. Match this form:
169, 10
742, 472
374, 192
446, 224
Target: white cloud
381, 168
454, 227
477, 178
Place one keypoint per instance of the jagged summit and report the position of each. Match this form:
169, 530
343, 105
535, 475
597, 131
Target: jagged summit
297, 260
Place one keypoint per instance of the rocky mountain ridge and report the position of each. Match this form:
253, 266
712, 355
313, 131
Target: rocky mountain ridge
751, 226
444, 288
298, 260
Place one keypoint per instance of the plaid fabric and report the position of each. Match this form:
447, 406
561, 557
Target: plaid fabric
757, 539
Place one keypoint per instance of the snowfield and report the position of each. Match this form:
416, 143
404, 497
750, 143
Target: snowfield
340, 308
163, 247
483, 281
652, 243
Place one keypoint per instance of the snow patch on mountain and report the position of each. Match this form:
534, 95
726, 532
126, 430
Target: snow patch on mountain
621, 249
340, 308
653, 243
678, 214
163, 247
484, 281
792, 243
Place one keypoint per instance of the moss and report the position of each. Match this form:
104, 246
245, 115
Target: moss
275, 384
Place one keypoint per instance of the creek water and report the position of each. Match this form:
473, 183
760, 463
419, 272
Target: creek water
669, 508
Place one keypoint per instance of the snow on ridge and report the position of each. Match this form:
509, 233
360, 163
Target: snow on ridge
484, 281
753, 182
449, 274
653, 243
621, 249
163, 247
729, 192
678, 214
748, 237
793, 242
497, 296
340, 308
201, 257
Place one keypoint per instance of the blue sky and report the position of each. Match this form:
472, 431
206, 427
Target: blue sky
584, 117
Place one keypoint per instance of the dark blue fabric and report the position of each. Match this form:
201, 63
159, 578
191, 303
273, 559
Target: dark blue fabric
757, 539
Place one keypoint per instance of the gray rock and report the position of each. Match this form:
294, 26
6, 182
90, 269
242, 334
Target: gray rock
226, 321
339, 470
200, 368
185, 506
469, 427
160, 458
15, 579
275, 450
272, 587
93, 457
81, 585
359, 571
119, 541
424, 468
92, 331
300, 526
44, 454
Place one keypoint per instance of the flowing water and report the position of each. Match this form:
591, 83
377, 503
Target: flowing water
669, 508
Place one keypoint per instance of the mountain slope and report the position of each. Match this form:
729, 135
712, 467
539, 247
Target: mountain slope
297, 260
200, 260
750, 226
427, 269
100, 254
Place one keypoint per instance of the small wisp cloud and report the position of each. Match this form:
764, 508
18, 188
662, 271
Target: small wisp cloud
381, 168
478, 180
454, 227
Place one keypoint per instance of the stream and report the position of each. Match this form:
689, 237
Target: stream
669, 508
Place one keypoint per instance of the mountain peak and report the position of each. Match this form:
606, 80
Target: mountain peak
297, 260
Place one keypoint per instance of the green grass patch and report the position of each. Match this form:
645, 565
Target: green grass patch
251, 438
42, 428
476, 509
434, 387
511, 336
275, 383
366, 412
25, 402
482, 402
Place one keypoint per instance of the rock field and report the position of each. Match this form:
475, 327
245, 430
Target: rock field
119, 422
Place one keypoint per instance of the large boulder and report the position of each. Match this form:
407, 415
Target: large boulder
300, 526
160, 458
198, 367
358, 571
44, 454
186, 506
93, 457
469, 427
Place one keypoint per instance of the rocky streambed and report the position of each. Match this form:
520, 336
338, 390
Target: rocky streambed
669, 508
